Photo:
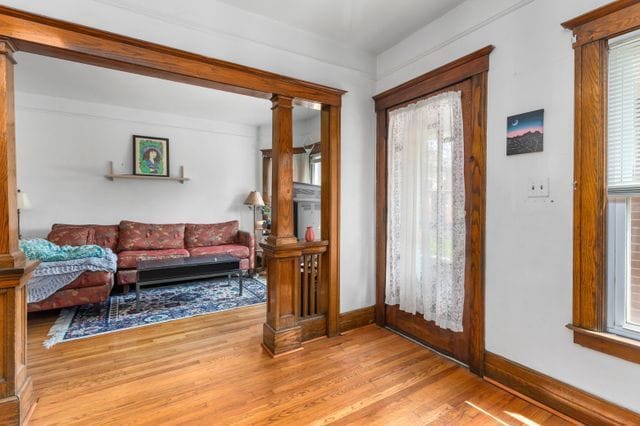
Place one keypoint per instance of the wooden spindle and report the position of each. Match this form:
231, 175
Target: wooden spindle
305, 287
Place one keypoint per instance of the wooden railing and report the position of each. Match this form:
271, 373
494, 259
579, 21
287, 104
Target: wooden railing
313, 290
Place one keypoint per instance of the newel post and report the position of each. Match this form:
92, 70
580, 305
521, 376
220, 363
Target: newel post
281, 334
16, 391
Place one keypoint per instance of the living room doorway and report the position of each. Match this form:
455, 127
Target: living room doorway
42, 36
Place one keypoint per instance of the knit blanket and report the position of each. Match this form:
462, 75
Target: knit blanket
51, 276
46, 251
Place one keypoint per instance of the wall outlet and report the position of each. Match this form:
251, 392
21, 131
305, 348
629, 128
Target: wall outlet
538, 187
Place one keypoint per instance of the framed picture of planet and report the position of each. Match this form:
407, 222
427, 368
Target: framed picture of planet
525, 133
150, 156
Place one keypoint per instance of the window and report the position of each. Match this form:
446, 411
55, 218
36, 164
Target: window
606, 225
623, 186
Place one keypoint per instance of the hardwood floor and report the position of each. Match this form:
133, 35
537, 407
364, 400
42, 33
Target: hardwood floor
212, 370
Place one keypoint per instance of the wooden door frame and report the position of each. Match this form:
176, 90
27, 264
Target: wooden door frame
27, 32
473, 67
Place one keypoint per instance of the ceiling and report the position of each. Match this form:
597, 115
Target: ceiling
58, 78
371, 25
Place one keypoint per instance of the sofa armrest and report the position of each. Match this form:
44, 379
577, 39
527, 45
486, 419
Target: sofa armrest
248, 239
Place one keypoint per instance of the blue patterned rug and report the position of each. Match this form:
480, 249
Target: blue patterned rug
157, 304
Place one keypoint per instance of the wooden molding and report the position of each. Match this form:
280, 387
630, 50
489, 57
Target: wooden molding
618, 346
592, 32
446, 75
468, 75
281, 341
357, 318
313, 328
556, 395
598, 13
330, 146
605, 22
16, 388
65, 40
10, 255
282, 172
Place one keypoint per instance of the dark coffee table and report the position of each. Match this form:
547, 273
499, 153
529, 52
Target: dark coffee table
163, 271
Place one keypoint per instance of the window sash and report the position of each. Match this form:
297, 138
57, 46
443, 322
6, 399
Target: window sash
618, 271
623, 112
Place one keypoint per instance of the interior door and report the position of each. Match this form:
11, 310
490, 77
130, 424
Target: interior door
456, 345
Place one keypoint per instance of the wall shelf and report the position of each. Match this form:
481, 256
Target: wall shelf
111, 176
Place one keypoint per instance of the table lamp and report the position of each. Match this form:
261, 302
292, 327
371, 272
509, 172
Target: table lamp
254, 199
23, 203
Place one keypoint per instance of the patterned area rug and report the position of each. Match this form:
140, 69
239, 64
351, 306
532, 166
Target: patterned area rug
157, 304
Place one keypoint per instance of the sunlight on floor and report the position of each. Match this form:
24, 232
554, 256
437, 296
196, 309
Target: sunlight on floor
516, 416
521, 418
486, 413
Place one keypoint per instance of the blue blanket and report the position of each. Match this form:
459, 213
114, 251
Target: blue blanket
46, 251
50, 277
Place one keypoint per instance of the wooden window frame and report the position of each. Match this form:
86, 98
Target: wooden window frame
592, 31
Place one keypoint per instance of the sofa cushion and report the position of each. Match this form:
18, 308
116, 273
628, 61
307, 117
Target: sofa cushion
126, 277
213, 234
238, 251
72, 297
129, 259
91, 279
77, 236
105, 236
149, 236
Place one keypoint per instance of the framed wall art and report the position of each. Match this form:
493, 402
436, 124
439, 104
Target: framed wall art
150, 156
525, 133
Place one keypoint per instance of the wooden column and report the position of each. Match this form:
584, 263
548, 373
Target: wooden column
330, 149
10, 256
281, 334
282, 173
16, 391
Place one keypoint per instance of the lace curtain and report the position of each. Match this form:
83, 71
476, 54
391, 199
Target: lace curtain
426, 210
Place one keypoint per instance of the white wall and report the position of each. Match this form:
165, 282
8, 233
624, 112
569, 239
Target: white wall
63, 147
281, 49
528, 244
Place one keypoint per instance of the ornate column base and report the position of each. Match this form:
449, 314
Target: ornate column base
281, 334
281, 342
17, 399
16, 409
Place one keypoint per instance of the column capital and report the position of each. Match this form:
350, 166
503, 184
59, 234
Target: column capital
8, 48
281, 101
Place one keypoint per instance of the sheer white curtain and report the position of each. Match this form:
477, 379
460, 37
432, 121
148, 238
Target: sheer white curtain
425, 214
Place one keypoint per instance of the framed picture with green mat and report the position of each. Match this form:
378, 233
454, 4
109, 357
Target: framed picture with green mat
150, 156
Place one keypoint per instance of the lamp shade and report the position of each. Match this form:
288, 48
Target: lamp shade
23, 201
254, 199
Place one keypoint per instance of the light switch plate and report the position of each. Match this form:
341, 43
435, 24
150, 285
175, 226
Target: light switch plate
538, 187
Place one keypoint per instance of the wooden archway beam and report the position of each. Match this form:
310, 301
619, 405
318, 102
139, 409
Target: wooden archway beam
59, 39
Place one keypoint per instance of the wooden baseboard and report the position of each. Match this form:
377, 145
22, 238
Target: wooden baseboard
355, 319
314, 327
554, 394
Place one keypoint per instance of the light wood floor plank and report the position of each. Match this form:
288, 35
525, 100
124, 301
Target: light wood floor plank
212, 370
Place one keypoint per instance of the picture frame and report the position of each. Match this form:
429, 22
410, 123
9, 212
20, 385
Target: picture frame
525, 133
150, 156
